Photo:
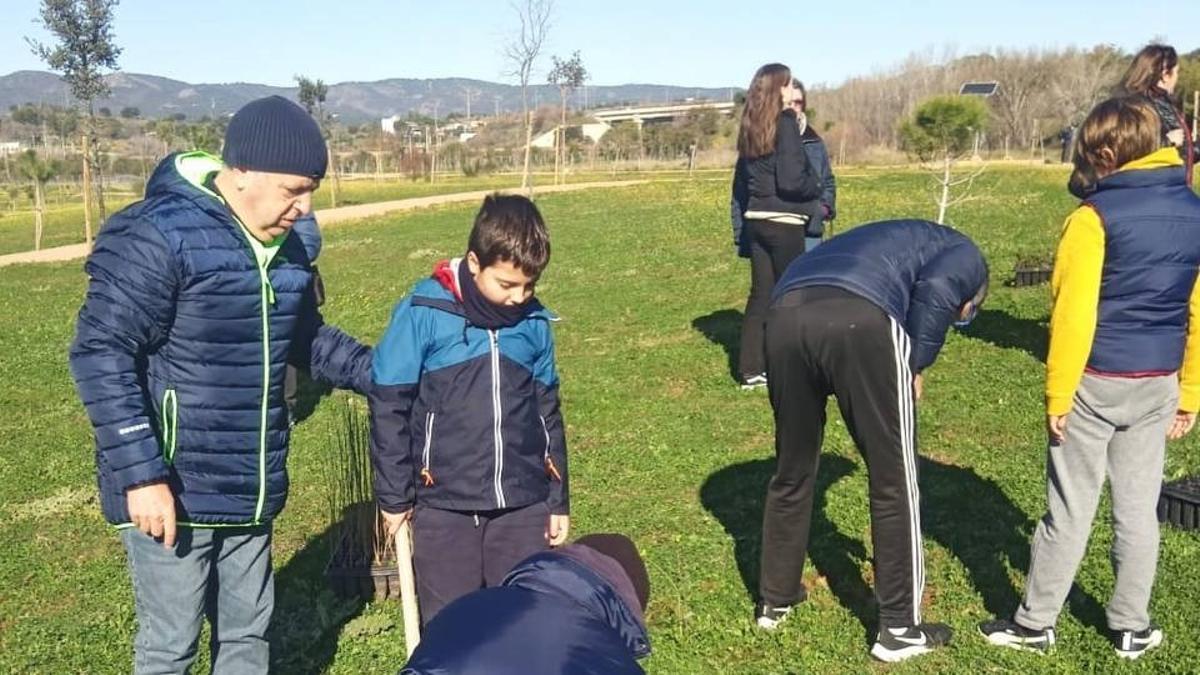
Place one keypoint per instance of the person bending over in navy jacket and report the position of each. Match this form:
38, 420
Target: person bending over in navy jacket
198, 296
465, 420
860, 318
576, 610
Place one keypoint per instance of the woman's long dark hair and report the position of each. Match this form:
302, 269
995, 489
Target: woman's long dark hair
1147, 70
756, 135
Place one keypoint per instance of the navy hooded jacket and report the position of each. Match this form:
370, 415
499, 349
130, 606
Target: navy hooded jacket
552, 614
919, 273
180, 349
465, 418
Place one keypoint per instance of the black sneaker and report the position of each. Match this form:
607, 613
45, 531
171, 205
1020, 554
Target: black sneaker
769, 616
1007, 633
750, 382
897, 644
1130, 644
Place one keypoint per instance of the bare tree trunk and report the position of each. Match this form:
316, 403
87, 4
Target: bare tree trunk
561, 164
528, 147
87, 194
641, 145
333, 174
945, 200
98, 187
426, 157
39, 209
437, 146
1195, 113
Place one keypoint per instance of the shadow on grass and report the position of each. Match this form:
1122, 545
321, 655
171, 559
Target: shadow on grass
969, 515
1006, 331
723, 327
308, 616
735, 496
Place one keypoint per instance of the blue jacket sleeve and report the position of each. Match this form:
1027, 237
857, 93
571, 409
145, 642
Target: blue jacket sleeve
933, 308
128, 313
328, 354
396, 373
795, 178
546, 383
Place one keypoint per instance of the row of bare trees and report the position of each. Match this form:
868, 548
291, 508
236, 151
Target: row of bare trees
1040, 91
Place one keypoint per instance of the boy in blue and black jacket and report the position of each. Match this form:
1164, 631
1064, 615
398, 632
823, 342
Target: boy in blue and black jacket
467, 437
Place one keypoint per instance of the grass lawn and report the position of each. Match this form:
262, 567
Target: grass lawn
663, 447
64, 222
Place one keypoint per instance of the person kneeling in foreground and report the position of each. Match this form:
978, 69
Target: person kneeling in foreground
856, 318
575, 610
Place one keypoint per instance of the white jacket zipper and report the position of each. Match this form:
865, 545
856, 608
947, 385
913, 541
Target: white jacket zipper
497, 418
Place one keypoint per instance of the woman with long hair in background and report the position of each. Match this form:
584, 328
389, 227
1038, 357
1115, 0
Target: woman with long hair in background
783, 191
1153, 75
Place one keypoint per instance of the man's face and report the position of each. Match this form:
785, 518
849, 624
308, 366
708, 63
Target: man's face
272, 202
502, 283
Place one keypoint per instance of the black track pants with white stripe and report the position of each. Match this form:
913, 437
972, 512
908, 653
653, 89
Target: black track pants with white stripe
823, 341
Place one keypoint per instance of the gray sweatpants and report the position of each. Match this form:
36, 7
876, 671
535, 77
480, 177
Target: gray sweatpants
1118, 427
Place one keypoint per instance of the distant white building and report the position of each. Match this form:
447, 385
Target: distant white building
592, 131
388, 124
10, 147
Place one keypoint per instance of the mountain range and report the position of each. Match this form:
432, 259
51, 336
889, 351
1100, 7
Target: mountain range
354, 102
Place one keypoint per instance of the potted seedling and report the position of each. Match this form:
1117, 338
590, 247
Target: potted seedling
1032, 269
363, 561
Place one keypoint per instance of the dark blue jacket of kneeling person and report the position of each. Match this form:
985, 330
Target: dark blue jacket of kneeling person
576, 610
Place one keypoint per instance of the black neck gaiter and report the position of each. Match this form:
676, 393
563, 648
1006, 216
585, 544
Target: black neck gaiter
480, 311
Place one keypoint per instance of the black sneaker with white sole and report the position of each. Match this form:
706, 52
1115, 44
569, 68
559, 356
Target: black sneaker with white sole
769, 616
897, 644
751, 382
1131, 644
1006, 633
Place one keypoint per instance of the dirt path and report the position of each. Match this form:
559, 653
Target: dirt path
327, 217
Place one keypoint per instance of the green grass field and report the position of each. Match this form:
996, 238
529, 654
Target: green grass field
64, 221
664, 447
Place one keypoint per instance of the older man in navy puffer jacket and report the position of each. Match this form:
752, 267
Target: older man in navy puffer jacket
197, 299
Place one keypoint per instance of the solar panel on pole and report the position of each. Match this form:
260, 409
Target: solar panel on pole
979, 88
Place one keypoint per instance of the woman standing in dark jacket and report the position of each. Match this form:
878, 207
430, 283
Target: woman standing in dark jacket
818, 156
783, 192
1153, 75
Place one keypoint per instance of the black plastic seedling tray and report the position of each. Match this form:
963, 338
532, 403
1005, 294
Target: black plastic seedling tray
1179, 503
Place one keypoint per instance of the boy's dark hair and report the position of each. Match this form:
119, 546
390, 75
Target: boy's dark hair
510, 228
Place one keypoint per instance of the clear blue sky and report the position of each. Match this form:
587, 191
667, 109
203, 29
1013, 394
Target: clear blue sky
695, 43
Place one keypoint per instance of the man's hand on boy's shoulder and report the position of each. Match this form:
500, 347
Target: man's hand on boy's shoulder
1183, 423
557, 529
393, 521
